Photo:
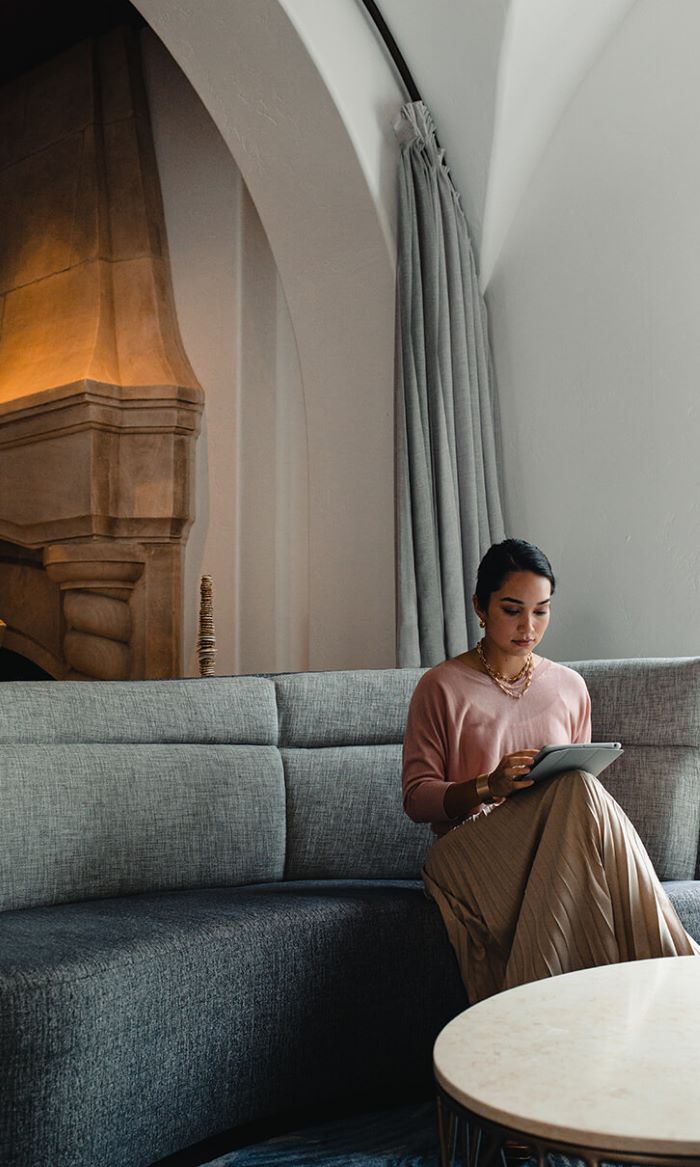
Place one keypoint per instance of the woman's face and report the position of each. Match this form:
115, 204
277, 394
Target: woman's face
518, 613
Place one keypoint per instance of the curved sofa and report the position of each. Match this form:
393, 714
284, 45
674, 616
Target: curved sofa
211, 910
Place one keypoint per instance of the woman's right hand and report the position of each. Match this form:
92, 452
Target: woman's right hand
511, 773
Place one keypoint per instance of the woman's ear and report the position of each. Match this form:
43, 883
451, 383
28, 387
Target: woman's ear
481, 615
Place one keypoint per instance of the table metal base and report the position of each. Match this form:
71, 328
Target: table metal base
469, 1140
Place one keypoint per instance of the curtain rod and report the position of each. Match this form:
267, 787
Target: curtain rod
393, 49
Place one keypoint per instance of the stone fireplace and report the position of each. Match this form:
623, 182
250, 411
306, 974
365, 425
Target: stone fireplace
99, 407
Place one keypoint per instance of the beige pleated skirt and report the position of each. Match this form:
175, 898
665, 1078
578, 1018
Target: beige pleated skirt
554, 879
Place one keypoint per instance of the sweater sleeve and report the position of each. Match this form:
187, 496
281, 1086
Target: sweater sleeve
424, 775
582, 732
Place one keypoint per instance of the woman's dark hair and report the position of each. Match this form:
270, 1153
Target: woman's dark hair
502, 559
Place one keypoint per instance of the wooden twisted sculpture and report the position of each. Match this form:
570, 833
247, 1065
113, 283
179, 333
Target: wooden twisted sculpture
206, 643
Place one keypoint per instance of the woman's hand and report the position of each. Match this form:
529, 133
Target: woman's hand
511, 773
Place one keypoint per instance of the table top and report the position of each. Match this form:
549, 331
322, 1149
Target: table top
607, 1058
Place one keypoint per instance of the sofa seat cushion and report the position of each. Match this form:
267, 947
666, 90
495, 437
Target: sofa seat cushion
132, 1027
684, 894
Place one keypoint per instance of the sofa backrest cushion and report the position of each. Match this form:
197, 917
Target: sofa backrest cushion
224, 711
341, 735
118, 819
119, 787
353, 707
114, 788
653, 708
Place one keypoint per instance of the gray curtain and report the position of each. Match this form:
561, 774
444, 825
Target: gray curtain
448, 499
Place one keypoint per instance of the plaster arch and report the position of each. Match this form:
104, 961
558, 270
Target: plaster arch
327, 208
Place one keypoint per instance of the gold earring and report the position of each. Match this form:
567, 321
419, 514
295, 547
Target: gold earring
482, 624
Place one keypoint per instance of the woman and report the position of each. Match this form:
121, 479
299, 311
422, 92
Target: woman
532, 882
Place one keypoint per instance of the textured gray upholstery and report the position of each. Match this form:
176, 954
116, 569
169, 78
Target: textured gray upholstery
134, 1027
224, 711
653, 708
364, 707
685, 897
648, 702
226, 917
343, 775
102, 820
345, 818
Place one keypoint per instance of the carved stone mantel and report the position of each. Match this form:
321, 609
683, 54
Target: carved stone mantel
99, 407
90, 460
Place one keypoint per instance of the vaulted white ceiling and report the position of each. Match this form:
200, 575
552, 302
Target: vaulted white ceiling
498, 75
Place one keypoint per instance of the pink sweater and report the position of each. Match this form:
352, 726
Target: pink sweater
460, 724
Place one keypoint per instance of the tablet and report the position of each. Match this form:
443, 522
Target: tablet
593, 757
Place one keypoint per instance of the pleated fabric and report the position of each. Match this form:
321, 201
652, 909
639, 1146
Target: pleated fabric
553, 880
448, 505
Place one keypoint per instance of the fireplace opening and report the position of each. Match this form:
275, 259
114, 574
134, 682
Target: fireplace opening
14, 667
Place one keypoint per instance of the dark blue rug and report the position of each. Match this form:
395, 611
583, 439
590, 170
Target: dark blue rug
403, 1137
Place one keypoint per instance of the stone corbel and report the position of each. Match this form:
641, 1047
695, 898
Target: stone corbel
97, 582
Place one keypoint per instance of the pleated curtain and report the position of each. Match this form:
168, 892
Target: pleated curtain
448, 498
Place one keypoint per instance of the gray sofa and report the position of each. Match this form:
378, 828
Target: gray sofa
211, 906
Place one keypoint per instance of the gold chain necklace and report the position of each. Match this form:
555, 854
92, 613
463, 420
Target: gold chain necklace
507, 685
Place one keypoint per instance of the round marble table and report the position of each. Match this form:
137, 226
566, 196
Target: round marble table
603, 1064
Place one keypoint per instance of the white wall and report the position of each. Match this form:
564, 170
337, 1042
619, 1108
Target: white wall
593, 305
548, 47
272, 451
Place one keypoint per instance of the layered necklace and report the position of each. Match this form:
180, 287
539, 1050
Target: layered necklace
515, 687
